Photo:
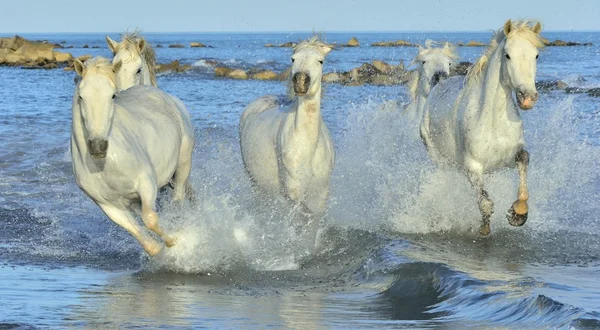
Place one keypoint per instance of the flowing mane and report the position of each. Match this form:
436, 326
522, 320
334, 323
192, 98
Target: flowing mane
100, 65
130, 43
449, 50
520, 28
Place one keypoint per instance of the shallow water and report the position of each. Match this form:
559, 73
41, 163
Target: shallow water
397, 249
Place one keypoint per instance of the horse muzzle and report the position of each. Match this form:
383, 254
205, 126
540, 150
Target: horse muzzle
526, 101
98, 148
438, 77
301, 82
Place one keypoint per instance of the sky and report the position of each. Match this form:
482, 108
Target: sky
41, 16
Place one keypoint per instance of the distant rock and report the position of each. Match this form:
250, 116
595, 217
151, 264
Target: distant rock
264, 75
353, 42
86, 46
174, 66
548, 85
285, 74
18, 51
159, 46
176, 46
62, 57
332, 77
288, 44
561, 43
382, 67
595, 92
197, 45
238, 74
397, 43
222, 71
471, 43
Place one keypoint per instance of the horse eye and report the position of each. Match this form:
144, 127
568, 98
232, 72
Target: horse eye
423, 62
450, 64
139, 70
321, 61
507, 57
536, 56
80, 98
293, 60
114, 95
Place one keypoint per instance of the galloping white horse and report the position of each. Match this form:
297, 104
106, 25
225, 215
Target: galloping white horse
475, 122
137, 58
433, 65
288, 149
126, 146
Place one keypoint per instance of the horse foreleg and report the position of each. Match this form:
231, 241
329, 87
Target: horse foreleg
124, 219
148, 191
517, 214
486, 206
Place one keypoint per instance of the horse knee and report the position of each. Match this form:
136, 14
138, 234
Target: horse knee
522, 157
486, 205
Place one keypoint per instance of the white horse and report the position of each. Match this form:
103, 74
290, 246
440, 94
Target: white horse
475, 122
433, 65
125, 146
137, 58
287, 148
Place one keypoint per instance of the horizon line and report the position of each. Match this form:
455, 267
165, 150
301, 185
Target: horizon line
298, 32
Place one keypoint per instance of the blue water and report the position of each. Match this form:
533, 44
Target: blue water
398, 250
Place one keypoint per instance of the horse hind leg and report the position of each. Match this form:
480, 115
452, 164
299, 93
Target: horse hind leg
518, 212
123, 218
486, 205
148, 193
181, 185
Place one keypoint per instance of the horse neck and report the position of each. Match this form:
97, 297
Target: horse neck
496, 101
308, 113
148, 75
423, 85
77, 128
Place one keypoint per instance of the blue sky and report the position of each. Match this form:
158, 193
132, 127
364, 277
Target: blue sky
300, 15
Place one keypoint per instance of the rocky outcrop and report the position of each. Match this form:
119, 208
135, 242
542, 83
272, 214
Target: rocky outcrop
397, 43
197, 45
18, 51
174, 66
264, 75
176, 46
471, 43
288, 44
561, 43
549, 85
353, 42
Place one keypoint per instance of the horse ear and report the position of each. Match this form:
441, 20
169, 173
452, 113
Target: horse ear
507, 27
537, 28
112, 45
446, 45
326, 49
421, 49
141, 44
79, 67
117, 66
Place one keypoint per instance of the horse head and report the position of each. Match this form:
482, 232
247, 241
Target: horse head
96, 93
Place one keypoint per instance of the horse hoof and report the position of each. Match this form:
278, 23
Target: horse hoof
169, 240
485, 230
515, 219
154, 249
